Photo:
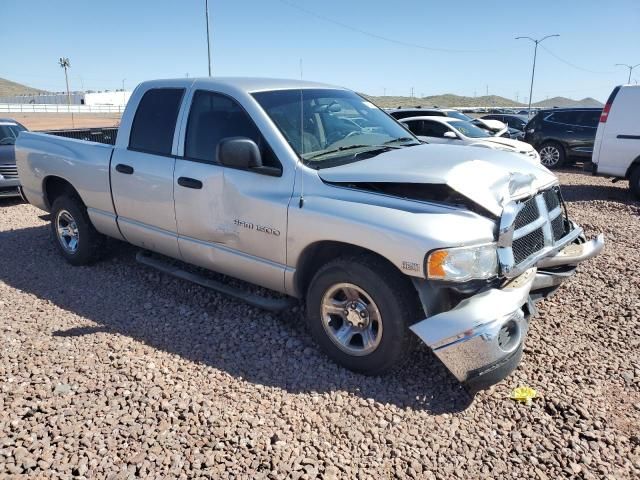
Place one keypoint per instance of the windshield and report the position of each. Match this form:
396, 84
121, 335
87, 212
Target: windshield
469, 130
458, 115
338, 126
9, 132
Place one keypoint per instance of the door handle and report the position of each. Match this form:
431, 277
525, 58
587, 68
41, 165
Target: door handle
126, 169
190, 183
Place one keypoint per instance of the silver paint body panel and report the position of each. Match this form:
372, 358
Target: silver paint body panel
230, 224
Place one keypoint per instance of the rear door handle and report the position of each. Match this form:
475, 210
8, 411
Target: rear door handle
126, 169
190, 183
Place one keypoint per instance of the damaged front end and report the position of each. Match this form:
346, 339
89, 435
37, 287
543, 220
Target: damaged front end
480, 340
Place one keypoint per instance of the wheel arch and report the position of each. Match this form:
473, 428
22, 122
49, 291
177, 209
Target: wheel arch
632, 166
319, 253
54, 186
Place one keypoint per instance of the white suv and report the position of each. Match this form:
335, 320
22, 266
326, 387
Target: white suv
616, 151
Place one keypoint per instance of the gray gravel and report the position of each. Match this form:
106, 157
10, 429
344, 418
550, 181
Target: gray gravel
117, 371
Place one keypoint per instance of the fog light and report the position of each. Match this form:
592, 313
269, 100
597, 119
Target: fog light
509, 336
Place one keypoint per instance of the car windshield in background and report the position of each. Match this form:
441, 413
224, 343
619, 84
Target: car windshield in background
8, 133
458, 115
469, 130
328, 127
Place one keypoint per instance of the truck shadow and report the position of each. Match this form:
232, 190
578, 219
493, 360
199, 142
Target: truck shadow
124, 298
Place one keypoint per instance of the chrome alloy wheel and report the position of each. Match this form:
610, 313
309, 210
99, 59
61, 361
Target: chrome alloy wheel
67, 230
351, 319
549, 156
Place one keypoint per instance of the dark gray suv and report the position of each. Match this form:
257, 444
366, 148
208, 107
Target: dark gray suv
9, 182
563, 134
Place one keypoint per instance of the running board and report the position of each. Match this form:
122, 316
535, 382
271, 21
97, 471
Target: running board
271, 304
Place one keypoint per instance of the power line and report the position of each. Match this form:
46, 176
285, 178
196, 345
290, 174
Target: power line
572, 64
382, 37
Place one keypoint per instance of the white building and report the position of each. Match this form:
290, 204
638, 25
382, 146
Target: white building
77, 98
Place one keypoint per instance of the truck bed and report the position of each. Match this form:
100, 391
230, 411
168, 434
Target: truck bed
84, 164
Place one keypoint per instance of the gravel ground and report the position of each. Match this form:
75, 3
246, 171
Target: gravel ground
117, 371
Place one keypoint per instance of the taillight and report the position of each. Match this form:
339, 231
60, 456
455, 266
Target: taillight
607, 107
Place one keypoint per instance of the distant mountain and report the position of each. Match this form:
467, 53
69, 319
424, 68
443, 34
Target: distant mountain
562, 102
7, 87
450, 100
447, 100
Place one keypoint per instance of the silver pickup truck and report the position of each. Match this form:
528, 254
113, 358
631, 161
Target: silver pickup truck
314, 192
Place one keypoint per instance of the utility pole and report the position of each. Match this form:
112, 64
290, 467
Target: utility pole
630, 67
535, 53
124, 96
66, 64
206, 11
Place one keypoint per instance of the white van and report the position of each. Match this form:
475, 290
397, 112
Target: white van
616, 151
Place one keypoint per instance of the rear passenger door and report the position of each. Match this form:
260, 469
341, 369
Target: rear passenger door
142, 173
230, 220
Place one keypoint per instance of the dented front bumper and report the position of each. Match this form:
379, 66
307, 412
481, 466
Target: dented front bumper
481, 339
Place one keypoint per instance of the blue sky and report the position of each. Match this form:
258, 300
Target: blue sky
339, 42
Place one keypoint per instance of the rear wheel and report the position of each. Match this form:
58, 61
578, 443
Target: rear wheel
552, 155
634, 181
77, 239
359, 310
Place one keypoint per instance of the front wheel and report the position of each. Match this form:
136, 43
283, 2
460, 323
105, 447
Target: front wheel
75, 235
552, 155
359, 310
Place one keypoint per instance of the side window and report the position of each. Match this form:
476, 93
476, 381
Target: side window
155, 121
589, 118
568, 118
415, 126
434, 129
214, 117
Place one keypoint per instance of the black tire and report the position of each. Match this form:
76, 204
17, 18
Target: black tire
396, 303
634, 182
552, 155
90, 244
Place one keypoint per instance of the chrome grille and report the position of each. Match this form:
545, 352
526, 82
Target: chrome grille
528, 214
529, 227
523, 247
9, 171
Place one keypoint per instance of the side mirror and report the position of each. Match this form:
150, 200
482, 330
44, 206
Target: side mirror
239, 152
450, 134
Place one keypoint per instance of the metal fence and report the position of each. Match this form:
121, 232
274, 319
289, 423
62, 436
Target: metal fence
100, 135
58, 108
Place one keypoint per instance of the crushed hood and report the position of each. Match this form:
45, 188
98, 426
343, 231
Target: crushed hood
490, 178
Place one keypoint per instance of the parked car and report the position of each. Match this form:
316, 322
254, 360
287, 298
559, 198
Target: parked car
454, 131
494, 127
380, 234
616, 151
563, 134
9, 181
517, 122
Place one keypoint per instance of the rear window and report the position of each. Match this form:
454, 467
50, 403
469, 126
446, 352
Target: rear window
155, 121
415, 113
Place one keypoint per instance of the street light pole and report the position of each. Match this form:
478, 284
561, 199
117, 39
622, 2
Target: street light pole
206, 11
535, 54
630, 67
65, 63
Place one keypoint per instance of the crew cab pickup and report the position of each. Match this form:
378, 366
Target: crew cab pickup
314, 192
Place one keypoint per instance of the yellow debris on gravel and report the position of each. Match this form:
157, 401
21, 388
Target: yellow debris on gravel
523, 395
